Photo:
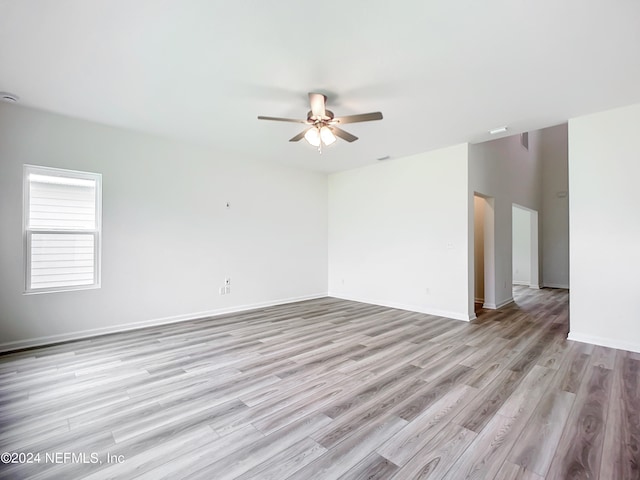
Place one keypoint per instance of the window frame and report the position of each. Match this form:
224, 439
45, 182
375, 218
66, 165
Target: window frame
28, 232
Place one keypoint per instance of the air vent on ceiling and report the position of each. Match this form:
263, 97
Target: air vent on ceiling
498, 130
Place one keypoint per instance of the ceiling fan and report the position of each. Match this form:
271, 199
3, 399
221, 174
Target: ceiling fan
323, 128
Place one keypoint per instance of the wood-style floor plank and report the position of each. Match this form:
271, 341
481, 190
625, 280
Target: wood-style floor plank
437, 455
579, 451
510, 471
536, 446
621, 452
489, 450
329, 389
350, 452
373, 467
421, 430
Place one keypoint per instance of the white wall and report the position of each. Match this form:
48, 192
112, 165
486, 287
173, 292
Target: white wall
521, 246
398, 233
555, 206
604, 168
168, 240
504, 170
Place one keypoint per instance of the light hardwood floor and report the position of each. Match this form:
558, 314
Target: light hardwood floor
328, 389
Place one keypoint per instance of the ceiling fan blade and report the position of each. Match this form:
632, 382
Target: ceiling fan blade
338, 132
363, 117
317, 102
299, 136
280, 119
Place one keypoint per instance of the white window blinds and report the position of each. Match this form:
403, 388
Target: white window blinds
62, 219
62, 203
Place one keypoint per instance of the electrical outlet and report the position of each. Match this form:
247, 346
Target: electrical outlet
227, 289
221, 291
227, 281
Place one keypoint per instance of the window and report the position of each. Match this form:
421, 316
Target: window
62, 211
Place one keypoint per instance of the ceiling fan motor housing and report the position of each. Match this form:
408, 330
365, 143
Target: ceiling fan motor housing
327, 117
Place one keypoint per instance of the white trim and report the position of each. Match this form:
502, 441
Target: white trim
65, 337
478, 300
526, 284
411, 308
557, 285
493, 306
604, 342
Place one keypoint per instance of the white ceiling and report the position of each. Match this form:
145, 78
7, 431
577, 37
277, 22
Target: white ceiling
441, 71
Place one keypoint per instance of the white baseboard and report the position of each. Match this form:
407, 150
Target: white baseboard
557, 285
526, 284
65, 337
604, 342
411, 308
493, 306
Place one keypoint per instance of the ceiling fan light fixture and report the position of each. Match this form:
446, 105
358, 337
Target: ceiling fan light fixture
313, 136
327, 136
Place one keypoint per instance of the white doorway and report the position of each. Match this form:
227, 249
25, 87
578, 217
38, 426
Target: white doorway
484, 277
525, 263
